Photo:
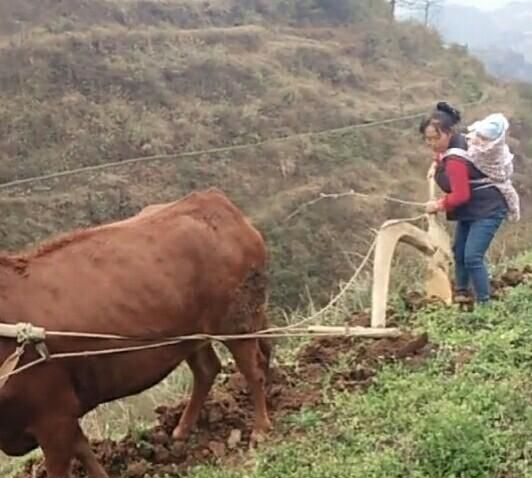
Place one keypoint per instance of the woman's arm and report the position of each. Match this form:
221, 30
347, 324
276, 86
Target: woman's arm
458, 175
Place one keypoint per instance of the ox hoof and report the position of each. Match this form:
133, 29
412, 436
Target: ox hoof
258, 437
179, 434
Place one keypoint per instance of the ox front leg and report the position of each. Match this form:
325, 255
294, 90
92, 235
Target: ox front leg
61, 439
205, 366
251, 361
56, 436
86, 456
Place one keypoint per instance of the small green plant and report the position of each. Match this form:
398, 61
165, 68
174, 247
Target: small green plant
305, 420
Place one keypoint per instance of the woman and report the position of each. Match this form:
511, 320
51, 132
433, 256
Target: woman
477, 207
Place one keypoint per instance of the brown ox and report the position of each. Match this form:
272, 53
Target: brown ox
191, 266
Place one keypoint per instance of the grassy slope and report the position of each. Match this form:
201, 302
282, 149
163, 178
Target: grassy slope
111, 80
95, 86
466, 412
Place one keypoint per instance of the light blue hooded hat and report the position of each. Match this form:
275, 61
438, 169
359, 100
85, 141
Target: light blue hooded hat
492, 127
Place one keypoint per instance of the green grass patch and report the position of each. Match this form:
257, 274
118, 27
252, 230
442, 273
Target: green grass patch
465, 412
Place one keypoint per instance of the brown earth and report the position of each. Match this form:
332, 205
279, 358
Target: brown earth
224, 428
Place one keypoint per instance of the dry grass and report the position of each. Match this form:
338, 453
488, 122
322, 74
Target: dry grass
114, 79
126, 79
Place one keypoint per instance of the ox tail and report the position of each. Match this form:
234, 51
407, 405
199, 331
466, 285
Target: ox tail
266, 349
266, 345
248, 312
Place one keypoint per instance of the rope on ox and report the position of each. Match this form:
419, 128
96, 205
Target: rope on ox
9, 369
26, 333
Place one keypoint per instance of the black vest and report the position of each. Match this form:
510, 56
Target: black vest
484, 201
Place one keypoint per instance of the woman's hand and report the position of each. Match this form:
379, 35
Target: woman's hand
433, 207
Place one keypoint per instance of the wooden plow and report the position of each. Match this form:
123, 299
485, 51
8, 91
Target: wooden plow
435, 245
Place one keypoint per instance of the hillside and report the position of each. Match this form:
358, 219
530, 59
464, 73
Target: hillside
85, 83
304, 83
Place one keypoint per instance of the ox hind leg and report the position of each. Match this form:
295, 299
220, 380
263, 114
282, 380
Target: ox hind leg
205, 366
252, 357
62, 439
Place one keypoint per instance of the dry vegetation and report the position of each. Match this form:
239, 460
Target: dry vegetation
85, 82
88, 82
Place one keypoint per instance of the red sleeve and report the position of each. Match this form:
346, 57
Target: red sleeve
458, 174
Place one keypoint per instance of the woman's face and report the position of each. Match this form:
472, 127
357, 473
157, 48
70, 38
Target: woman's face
438, 141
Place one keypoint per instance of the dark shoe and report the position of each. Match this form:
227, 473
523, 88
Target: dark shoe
464, 300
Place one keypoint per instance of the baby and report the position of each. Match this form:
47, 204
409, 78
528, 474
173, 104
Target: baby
488, 151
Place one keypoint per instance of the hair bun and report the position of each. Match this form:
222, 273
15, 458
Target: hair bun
451, 111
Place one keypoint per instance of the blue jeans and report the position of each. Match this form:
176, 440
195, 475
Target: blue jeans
471, 242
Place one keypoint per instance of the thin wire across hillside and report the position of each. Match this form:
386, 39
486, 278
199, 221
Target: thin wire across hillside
224, 149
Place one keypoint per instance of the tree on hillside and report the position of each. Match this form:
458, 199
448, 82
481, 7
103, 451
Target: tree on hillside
393, 4
428, 8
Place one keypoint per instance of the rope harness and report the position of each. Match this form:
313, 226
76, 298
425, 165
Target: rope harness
26, 333
9, 367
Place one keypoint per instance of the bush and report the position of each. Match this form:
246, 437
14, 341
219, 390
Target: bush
337, 11
355, 11
455, 442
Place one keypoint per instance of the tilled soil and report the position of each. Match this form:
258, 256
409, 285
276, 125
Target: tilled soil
224, 428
